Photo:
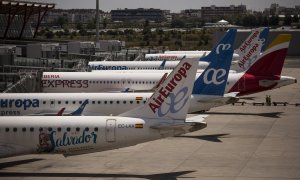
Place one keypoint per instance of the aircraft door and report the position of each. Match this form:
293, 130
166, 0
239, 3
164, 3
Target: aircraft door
110, 131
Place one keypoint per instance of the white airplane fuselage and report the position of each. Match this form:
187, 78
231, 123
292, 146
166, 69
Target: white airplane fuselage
74, 135
13, 104
108, 81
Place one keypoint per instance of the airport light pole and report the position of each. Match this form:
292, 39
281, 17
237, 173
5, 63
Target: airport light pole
97, 20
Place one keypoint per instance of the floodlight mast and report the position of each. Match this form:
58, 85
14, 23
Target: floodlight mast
97, 20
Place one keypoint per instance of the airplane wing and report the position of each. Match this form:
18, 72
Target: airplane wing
192, 121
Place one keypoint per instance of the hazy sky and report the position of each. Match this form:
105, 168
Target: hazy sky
173, 5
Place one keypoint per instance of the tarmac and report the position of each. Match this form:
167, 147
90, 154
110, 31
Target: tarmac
240, 142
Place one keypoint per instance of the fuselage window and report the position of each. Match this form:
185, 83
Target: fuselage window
93, 102
67, 102
131, 102
138, 102
124, 102
15, 129
107, 82
41, 129
100, 82
44, 102
111, 82
93, 82
31, 129
143, 82
6, 129
111, 102
74, 102
96, 129
103, 82
99, 102
77, 129
49, 129
68, 129
144, 102
59, 129
87, 129
59, 102
52, 102
139, 82
136, 82
118, 102
90, 82
105, 102
118, 82
80, 102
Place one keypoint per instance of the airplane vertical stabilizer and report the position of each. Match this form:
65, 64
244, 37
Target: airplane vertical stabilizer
171, 99
224, 43
271, 61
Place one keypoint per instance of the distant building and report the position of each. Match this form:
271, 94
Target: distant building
276, 10
191, 13
214, 12
140, 14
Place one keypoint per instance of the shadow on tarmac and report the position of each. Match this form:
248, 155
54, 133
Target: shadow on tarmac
211, 138
270, 115
19, 162
169, 176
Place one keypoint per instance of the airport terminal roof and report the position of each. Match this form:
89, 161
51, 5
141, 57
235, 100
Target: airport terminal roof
20, 7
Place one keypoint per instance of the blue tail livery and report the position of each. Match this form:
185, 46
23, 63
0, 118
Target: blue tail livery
226, 43
263, 37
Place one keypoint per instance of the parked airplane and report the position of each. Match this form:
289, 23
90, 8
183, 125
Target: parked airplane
263, 74
256, 34
209, 92
158, 61
73, 135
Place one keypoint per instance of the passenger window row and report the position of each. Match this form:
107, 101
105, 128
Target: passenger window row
94, 102
32, 129
123, 82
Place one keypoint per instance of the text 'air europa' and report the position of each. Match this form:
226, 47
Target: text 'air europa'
165, 91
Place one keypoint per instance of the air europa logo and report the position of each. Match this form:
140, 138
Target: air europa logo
249, 41
215, 76
248, 56
164, 92
102, 67
19, 103
222, 47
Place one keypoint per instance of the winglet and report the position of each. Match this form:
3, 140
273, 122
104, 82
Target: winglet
225, 43
60, 112
79, 111
171, 99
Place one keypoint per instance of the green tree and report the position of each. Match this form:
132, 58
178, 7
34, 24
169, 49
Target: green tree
49, 34
61, 21
177, 23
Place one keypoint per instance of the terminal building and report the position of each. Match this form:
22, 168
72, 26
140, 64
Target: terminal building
140, 14
214, 12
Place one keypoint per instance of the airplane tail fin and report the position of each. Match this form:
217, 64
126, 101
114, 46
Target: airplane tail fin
225, 43
213, 79
271, 61
79, 111
171, 99
263, 38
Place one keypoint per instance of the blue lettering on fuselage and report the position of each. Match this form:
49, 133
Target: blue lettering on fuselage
19, 103
68, 140
102, 67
